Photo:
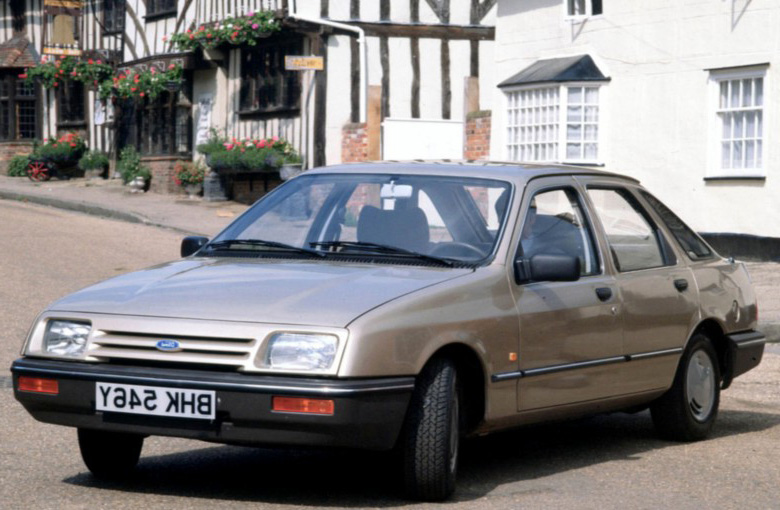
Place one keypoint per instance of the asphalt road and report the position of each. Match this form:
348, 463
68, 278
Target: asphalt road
612, 461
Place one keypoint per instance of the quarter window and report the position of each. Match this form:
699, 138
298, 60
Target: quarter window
634, 241
549, 124
738, 128
555, 225
691, 243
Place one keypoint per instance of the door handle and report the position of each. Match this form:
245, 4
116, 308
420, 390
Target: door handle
604, 293
681, 284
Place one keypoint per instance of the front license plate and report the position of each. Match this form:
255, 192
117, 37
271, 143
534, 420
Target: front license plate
150, 400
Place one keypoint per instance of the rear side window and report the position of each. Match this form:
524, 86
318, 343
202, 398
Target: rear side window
634, 240
693, 245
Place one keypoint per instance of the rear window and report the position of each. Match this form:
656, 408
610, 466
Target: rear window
693, 245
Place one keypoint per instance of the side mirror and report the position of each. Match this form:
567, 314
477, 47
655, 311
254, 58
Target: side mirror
192, 244
547, 268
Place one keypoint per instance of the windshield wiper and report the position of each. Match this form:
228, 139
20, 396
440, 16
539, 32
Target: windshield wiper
383, 248
261, 242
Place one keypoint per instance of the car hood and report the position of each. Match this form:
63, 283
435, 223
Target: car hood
314, 293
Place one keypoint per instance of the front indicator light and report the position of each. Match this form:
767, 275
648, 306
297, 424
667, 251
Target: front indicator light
303, 405
38, 385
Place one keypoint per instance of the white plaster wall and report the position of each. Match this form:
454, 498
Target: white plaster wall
400, 77
430, 78
655, 111
338, 106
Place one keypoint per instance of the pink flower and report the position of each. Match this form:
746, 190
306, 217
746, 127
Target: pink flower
250, 14
229, 146
261, 144
255, 26
275, 139
165, 38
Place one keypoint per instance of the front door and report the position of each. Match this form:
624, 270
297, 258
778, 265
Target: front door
570, 332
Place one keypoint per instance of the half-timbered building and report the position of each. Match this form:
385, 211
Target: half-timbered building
398, 78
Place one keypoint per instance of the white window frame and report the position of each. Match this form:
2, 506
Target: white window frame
559, 155
583, 15
715, 168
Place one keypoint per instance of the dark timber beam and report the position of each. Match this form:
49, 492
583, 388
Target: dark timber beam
452, 32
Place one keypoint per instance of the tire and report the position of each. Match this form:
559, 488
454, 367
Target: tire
688, 410
110, 455
432, 433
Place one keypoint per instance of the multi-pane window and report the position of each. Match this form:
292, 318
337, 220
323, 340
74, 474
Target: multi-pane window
265, 85
740, 124
559, 123
18, 109
71, 103
160, 7
579, 8
163, 126
113, 15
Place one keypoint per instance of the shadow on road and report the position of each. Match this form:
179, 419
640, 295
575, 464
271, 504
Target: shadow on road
348, 479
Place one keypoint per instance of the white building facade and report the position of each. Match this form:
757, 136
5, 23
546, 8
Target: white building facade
683, 96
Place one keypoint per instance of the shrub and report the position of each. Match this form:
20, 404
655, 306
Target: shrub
186, 172
129, 165
17, 167
93, 160
214, 143
64, 151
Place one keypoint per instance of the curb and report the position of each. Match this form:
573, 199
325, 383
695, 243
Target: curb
93, 210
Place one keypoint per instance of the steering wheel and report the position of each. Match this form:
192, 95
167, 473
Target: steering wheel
457, 249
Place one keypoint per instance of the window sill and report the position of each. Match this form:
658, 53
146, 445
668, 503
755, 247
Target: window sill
160, 15
735, 178
72, 124
269, 112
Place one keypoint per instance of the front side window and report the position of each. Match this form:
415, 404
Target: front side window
738, 129
556, 225
18, 109
265, 84
71, 103
386, 216
554, 124
582, 8
633, 239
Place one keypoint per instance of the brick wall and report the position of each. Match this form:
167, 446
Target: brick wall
248, 190
477, 143
10, 149
354, 143
162, 175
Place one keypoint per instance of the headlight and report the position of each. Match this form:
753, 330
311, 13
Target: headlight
301, 351
66, 338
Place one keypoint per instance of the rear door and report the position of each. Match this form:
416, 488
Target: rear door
658, 291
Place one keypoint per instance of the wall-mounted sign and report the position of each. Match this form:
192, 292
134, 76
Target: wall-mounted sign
303, 63
62, 27
54, 50
69, 4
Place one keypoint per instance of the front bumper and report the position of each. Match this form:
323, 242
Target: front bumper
368, 413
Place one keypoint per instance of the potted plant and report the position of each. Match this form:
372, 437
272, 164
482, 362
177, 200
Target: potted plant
95, 164
133, 173
190, 176
63, 152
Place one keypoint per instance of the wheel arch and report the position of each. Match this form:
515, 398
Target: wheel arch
472, 372
712, 329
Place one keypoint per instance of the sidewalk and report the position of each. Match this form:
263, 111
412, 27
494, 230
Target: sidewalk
109, 199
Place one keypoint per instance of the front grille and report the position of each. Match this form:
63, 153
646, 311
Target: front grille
117, 345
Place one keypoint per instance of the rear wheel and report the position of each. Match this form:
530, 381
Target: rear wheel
110, 455
688, 410
432, 433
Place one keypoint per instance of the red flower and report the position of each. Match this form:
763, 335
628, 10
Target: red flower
171, 67
23, 76
90, 62
142, 94
73, 145
56, 84
133, 89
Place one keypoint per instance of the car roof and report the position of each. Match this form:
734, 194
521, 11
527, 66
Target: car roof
508, 171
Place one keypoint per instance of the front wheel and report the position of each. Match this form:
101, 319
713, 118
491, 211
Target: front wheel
688, 410
110, 455
432, 433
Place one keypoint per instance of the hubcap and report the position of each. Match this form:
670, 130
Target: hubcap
700, 385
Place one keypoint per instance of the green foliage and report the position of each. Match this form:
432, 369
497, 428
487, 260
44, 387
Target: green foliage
147, 83
215, 142
54, 71
93, 160
240, 30
187, 172
64, 151
129, 165
250, 155
17, 167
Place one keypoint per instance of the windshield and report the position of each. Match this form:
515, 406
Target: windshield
451, 219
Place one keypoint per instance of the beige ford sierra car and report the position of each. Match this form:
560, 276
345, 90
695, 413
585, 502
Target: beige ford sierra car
406, 306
